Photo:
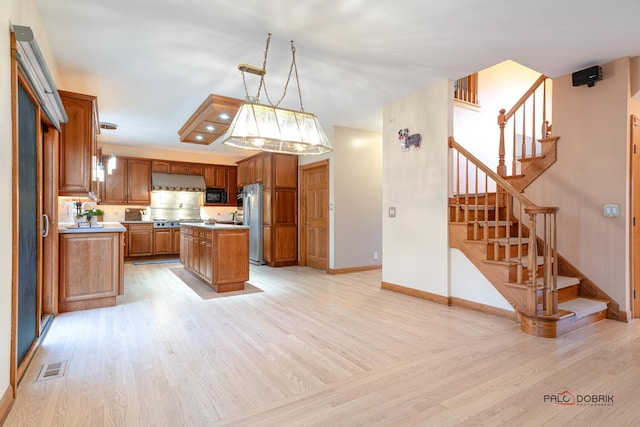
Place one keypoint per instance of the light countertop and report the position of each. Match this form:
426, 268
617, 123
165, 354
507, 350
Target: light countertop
106, 227
216, 226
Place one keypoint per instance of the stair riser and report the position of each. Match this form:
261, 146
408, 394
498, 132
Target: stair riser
568, 293
492, 231
473, 215
502, 251
513, 272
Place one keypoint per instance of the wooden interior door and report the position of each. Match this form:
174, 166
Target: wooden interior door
314, 215
635, 207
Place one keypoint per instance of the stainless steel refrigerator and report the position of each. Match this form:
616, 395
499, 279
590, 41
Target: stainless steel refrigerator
252, 217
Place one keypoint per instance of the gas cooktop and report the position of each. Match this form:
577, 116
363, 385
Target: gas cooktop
172, 223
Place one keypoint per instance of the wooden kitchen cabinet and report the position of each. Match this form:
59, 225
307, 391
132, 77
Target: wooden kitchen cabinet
219, 256
160, 166
215, 176
166, 241
139, 182
232, 185
140, 239
279, 176
129, 183
195, 169
78, 145
91, 270
180, 168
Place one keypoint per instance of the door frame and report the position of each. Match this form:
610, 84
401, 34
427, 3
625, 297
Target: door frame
634, 149
302, 258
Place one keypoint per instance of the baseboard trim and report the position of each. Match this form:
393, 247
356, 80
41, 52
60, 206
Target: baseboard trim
6, 402
451, 301
483, 308
440, 299
353, 269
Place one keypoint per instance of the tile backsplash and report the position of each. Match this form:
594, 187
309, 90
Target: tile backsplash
116, 213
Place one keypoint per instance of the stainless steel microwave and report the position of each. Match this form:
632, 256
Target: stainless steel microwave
215, 196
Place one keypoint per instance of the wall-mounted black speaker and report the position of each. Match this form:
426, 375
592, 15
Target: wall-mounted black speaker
588, 76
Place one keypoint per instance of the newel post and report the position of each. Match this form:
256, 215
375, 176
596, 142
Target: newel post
502, 168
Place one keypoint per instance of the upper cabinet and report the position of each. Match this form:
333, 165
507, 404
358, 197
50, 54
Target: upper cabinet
129, 183
215, 176
78, 145
180, 168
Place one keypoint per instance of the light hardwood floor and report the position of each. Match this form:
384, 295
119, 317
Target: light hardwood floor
316, 349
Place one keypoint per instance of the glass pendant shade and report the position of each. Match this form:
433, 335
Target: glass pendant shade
268, 128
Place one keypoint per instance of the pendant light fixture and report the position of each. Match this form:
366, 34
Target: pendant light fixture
268, 127
112, 163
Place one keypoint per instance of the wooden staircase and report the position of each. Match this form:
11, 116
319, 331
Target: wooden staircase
492, 222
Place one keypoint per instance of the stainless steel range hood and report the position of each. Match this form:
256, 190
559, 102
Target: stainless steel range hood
174, 182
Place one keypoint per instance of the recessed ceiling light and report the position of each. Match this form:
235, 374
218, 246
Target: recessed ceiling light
224, 116
210, 128
199, 137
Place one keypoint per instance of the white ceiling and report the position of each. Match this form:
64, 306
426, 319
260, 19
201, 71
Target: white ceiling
152, 63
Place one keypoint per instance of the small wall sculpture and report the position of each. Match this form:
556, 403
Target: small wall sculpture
406, 141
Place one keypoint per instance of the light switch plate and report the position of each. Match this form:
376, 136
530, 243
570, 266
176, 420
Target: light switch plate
611, 210
392, 212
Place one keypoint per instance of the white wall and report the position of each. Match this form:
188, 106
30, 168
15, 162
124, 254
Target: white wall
357, 201
592, 169
355, 196
18, 12
499, 86
468, 283
416, 242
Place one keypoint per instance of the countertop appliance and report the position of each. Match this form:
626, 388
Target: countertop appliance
252, 210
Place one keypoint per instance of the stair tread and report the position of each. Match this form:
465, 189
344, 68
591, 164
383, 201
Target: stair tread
529, 159
583, 307
563, 282
524, 260
492, 223
502, 241
474, 207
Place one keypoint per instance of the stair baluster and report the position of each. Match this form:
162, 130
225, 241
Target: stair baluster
529, 131
511, 205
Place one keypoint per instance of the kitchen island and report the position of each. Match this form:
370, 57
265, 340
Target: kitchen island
91, 266
217, 254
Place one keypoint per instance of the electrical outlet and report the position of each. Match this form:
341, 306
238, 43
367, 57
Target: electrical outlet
375, 254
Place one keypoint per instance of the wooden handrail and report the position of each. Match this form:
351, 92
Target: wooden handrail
510, 189
505, 194
524, 97
528, 117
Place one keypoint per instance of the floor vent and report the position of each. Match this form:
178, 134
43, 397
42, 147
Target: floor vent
52, 370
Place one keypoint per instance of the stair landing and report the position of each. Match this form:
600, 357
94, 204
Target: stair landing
572, 314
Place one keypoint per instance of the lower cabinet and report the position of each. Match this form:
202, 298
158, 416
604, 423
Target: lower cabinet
140, 239
91, 270
166, 241
217, 256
